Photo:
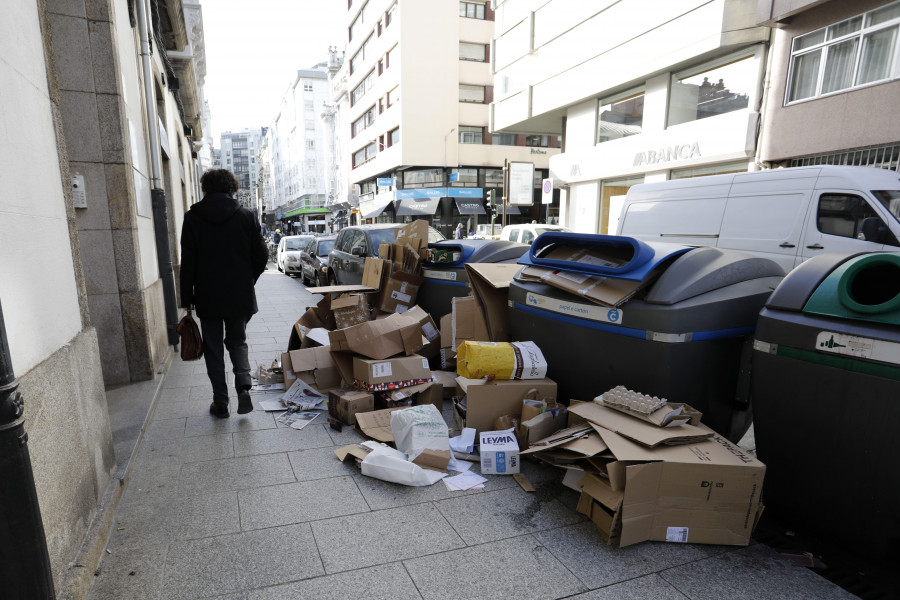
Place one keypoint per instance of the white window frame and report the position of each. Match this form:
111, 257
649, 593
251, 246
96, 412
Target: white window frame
823, 47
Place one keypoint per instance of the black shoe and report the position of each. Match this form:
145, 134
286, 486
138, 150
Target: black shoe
244, 403
219, 409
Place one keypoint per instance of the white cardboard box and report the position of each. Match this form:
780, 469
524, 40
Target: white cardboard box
499, 453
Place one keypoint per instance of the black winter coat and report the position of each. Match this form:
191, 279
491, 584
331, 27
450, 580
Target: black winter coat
222, 256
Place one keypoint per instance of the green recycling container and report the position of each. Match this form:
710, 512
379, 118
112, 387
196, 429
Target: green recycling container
825, 385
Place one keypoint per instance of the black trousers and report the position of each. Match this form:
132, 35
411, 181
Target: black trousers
219, 334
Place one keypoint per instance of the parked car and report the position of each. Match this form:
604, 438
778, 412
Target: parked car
525, 233
288, 259
354, 244
314, 260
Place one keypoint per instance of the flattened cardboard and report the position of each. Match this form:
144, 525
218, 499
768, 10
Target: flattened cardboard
581, 439
467, 322
380, 338
355, 451
490, 286
377, 424
488, 400
344, 405
315, 367
372, 374
638, 430
343, 362
340, 289
415, 234
375, 271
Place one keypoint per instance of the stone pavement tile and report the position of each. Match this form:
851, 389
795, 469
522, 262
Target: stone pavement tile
282, 439
300, 502
384, 582
180, 367
320, 463
235, 474
384, 494
210, 425
369, 539
267, 346
347, 435
181, 409
505, 513
238, 562
582, 549
150, 483
159, 522
517, 568
174, 395
116, 581
756, 572
186, 449
181, 381
168, 429
204, 391
642, 588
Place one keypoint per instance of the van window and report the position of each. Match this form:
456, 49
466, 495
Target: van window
513, 235
842, 214
890, 199
527, 237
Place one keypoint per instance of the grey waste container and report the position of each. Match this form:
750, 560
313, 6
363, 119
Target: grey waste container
826, 401
686, 337
446, 280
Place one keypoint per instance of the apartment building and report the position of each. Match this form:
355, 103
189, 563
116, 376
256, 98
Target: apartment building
420, 84
640, 90
834, 82
239, 154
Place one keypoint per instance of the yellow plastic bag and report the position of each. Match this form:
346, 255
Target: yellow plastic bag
500, 360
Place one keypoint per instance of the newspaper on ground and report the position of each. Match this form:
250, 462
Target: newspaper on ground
464, 481
297, 420
301, 396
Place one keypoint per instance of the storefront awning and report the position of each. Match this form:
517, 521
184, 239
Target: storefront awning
412, 207
373, 211
469, 206
511, 209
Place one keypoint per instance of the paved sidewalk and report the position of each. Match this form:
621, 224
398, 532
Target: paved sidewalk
245, 509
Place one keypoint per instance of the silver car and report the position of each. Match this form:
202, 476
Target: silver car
288, 258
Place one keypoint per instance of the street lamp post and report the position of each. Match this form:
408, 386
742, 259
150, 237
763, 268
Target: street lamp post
445, 145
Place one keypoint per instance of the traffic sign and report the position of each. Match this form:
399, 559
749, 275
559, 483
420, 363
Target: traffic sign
547, 191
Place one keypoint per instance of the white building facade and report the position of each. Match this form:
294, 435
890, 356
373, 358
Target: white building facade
640, 90
420, 85
240, 153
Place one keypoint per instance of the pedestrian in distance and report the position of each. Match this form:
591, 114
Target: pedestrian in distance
458, 234
222, 256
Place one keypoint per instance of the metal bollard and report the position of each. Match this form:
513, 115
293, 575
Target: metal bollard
24, 561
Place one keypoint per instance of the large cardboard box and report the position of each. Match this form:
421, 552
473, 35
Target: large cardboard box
315, 317
350, 310
414, 395
313, 365
429, 330
345, 404
499, 453
391, 373
705, 492
487, 400
400, 291
381, 338
490, 287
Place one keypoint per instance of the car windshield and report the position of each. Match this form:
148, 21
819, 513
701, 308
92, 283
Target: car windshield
325, 246
891, 201
296, 244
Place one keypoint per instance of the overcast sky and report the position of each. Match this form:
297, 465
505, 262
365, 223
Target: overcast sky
254, 49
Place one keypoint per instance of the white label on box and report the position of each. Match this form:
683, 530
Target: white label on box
448, 275
424, 363
594, 312
401, 296
382, 369
858, 347
677, 534
401, 308
430, 331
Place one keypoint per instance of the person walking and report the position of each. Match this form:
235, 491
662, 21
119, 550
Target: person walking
222, 256
458, 234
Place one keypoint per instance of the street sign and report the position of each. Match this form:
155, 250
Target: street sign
547, 191
385, 181
521, 183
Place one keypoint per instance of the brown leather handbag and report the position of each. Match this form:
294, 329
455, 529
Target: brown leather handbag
191, 340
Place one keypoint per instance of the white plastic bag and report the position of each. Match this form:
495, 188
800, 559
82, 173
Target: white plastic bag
419, 428
391, 465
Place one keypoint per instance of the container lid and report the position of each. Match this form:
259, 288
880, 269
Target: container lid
706, 269
639, 258
865, 287
478, 251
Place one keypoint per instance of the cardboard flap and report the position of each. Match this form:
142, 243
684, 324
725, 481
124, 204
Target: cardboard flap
598, 489
638, 430
374, 272
346, 301
564, 436
377, 424
623, 448
340, 289
351, 451
436, 460
344, 364
467, 322
490, 286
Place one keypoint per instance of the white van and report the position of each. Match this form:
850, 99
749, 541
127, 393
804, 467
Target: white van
787, 215
527, 232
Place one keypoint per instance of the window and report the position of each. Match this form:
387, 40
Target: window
503, 139
310, 124
620, 117
513, 235
493, 177
422, 178
393, 97
472, 10
710, 91
360, 90
389, 15
852, 53
364, 121
310, 144
360, 56
394, 137
364, 155
537, 140
471, 93
471, 135
470, 51
467, 178
843, 214
361, 19
307, 86
307, 106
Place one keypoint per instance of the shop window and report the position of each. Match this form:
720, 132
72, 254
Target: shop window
620, 117
852, 53
471, 135
422, 178
712, 90
467, 177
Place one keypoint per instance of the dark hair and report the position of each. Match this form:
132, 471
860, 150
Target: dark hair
219, 180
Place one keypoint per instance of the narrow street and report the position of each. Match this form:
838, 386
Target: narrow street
246, 509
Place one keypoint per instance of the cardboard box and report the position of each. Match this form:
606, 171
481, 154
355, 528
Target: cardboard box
350, 310
313, 365
391, 373
414, 234
447, 379
467, 322
490, 287
637, 430
375, 272
345, 404
400, 291
499, 453
319, 316
377, 424
414, 395
381, 338
487, 400
429, 331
